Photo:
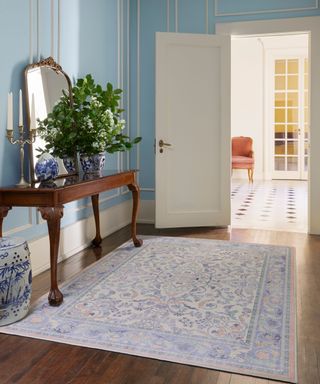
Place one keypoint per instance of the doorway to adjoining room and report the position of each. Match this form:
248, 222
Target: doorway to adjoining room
270, 105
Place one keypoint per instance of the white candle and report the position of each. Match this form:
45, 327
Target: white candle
9, 113
20, 109
33, 114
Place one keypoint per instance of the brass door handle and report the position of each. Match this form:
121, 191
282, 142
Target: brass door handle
163, 144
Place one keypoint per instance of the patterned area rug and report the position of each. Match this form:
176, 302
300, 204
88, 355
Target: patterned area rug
215, 304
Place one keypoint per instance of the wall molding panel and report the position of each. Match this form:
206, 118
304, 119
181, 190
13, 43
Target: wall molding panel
176, 20
128, 75
313, 4
45, 23
52, 29
34, 33
59, 33
30, 32
17, 229
168, 15
207, 16
35, 10
23, 227
38, 30
138, 87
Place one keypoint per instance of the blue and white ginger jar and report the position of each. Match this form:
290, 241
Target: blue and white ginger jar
47, 167
69, 163
92, 163
15, 279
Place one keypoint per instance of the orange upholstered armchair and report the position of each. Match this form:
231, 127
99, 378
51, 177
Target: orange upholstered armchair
242, 155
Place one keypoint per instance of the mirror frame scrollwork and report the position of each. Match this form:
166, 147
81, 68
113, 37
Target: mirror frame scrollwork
50, 63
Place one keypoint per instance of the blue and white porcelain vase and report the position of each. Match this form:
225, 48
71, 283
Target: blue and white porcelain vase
15, 279
92, 163
69, 163
47, 167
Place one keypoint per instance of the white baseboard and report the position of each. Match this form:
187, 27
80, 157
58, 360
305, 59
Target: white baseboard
78, 236
146, 212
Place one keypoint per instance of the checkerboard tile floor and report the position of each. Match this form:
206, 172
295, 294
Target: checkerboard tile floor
275, 205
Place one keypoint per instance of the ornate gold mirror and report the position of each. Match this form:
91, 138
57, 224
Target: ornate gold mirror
45, 83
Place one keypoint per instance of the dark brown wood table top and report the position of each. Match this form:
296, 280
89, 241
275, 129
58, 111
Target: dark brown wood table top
64, 190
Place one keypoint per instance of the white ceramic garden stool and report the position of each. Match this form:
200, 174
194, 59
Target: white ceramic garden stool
15, 279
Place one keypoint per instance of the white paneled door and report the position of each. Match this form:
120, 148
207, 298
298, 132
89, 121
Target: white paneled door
289, 99
192, 130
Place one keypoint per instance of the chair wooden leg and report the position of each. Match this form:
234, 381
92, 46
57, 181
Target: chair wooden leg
250, 174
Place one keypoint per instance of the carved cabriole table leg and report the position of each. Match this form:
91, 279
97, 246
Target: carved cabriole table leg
95, 205
3, 213
53, 217
136, 200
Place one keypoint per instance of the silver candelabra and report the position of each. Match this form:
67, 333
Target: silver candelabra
21, 141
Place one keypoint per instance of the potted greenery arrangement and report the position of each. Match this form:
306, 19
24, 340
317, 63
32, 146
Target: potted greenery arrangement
97, 116
91, 125
58, 131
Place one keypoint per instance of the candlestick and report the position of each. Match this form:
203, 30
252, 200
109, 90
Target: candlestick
20, 109
9, 112
21, 141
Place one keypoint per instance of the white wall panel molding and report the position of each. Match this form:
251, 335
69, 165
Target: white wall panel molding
207, 17
59, 33
34, 33
30, 32
138, 87
78, 236
38, 30
124, 191
256, 12
128, 76
126, 56
119, 26
21, 228
52, 29
104, 199
168, 15
138, 158
121, 56
176, 19
17, 229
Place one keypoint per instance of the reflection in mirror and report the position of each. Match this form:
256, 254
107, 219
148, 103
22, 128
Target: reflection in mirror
45, 83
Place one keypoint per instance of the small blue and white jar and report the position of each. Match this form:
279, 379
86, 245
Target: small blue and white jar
47, 167
92, 163
15, 279
69, 163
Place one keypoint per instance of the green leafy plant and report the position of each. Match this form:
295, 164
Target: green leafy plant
58, 130
98, 120
92, 125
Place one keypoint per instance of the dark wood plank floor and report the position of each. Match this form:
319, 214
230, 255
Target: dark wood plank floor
25, 360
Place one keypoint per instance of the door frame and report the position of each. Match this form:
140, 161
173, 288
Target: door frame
310, 25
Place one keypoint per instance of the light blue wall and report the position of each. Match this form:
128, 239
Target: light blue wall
192, 16
89, 43
113, 40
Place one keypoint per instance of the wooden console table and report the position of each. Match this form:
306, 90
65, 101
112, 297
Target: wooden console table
49, 197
